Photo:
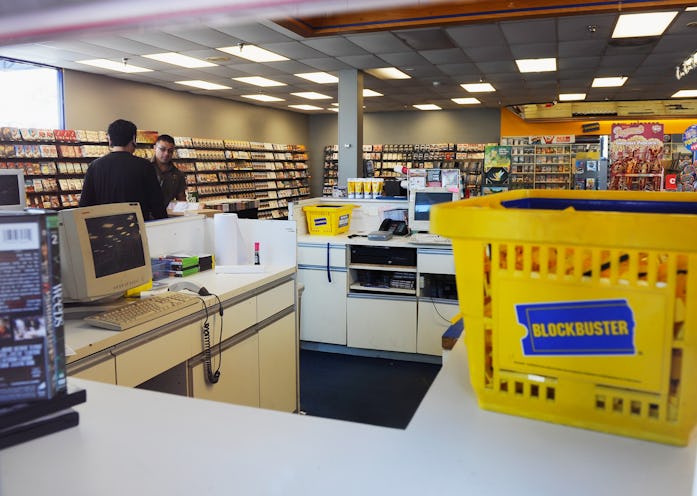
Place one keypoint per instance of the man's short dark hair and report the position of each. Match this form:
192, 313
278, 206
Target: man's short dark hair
121, 132
166, 138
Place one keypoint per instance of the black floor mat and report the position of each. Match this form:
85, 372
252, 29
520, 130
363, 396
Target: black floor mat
360, 389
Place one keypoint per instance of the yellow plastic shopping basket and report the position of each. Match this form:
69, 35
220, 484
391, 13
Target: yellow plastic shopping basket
580, 307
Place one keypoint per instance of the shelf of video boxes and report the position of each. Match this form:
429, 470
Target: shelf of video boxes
54, 162
220, 169
539, 165
280, 176
331, 169
203, 162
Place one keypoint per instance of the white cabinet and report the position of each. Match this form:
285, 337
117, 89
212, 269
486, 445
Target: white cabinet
323, 306
278, 365
382, 322
239, 375
322, 270
433, 321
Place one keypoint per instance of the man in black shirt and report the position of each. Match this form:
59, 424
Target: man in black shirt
172, 180
120, 176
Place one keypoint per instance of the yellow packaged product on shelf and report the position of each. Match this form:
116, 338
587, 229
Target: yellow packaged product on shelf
328, 220
576, 306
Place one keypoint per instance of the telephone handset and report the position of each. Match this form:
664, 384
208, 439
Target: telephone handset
396, 227
213, 376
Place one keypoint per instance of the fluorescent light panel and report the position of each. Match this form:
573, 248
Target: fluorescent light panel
319, 77
370, 93
388, 73
305, 107
263, 98
466, 101
691, 9
204, 85
685, 94
333, 109
645, 24
427, 106
608, 82
253, 53
537, 65
180, 60
478, 87
571, 97
259, 81
311, 95
113, 66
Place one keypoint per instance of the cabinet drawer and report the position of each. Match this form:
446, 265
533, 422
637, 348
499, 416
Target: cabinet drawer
436, 262
274, 300
317, 255
136, 365
236, 318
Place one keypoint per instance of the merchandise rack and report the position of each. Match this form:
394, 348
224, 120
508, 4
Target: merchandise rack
467, 157
55, 163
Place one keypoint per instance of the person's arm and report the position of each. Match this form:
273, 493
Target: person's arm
153, 194
181, 187
87, 196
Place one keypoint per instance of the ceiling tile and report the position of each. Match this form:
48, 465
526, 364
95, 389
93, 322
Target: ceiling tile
446, 56
403, 59
203, 35
476, 35
534, 50
581, 48
586, 27
254, 33
530, 31
459, 70
326, 64
335, 46
426, 39
165, 42
294, 50
382, 42
362, 61
488, 53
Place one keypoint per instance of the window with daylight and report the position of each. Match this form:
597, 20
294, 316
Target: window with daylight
31, 95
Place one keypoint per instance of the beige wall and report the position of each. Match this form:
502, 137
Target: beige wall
93, 101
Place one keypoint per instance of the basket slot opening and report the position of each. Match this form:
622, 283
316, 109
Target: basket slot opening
534, 390
653, 410
617, 404
600, 402
488, 358
503, 385
519, 387
550, 393
635, 407
675, 375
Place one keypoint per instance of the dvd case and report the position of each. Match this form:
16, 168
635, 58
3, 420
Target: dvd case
32, 342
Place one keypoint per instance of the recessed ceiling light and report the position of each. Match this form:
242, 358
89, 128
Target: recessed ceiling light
571, 97
253, 53
319, 77
333, 109
305, 107
259, 81
180, 60
336, 104
113, 66
388, 73
690, 9
478, 87
311, 95
537, 65
608, 82
466, 101
646, 24
263, 98
369, 93
427, 106
685, 94
204, 85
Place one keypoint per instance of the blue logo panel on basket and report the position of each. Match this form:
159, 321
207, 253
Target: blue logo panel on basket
594, 327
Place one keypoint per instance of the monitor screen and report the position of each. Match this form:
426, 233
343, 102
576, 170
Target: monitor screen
104, 251
420, 203
12, 190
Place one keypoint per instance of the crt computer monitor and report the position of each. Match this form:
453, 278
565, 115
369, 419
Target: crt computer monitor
104, 251
420, 203
12, 189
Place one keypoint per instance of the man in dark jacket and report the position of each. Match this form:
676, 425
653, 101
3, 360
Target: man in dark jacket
120, 176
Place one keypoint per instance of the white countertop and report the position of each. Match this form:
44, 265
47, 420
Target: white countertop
84, 339
132, 441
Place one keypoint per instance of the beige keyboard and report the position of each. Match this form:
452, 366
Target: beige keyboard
141, 311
